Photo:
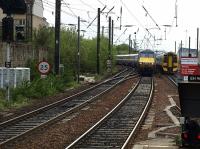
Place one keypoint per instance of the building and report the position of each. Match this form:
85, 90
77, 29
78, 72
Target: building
37, 15
26, 23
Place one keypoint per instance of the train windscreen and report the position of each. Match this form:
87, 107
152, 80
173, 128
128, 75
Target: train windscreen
165, 58
175, 59
146, 54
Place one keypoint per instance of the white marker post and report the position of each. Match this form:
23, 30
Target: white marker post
8, 65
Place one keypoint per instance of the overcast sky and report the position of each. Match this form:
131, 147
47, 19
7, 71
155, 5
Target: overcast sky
153, 15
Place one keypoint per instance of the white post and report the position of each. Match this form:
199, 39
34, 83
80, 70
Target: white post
1, 77
8, 71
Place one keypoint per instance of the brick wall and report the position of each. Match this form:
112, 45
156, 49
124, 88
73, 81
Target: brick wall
20, 53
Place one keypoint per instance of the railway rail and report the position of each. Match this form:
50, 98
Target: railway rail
12, 129
173, 79
176, 109
118, 126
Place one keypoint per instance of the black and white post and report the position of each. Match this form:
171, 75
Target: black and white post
98, 41
78, 51
57, 38
109, 61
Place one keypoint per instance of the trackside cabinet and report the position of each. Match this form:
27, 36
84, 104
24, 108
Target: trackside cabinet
189, 95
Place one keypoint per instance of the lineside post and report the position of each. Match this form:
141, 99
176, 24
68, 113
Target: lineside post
98, 40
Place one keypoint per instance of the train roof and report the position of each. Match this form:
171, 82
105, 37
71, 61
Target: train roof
147, 50
173, 53
127, 55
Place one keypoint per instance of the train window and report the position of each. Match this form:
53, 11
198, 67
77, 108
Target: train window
147, 54
165, 58
175, 58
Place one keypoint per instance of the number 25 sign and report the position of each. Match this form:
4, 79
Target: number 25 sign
44, 67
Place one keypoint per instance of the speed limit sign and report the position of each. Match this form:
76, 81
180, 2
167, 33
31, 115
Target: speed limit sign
44, 67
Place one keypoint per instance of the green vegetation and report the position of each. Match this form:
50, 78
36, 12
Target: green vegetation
39, 88
178, 140
124, 49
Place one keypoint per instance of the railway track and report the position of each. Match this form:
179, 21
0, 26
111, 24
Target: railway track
173, 79
176, 109
118, 126
126, 71
22, 125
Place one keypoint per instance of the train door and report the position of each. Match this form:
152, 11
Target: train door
170, 63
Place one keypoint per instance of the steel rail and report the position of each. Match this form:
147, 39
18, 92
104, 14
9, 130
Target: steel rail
29, 120
174, 83
142, 117
172, 80
18, 118
95, 135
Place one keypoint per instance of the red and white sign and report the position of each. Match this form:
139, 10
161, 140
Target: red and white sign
189, 66
44, 67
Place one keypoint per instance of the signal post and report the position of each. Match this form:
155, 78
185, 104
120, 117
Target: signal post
10, 7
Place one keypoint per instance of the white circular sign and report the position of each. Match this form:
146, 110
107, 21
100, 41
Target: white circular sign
44, 67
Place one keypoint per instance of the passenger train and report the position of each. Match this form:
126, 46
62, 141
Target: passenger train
127, 59
167, 63
144, 61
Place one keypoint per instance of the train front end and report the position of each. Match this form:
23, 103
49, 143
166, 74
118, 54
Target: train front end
146, 62
170, 63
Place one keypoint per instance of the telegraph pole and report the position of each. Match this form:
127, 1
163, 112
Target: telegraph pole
57, 37
10, 7
197, 42
7, 25
109, 63
176, 13
120, 18
78, 52
175, 47
102, 32
98, 40
109, 39
29, 20
129, 47
135, 44
189, 47
181, 48
112, 31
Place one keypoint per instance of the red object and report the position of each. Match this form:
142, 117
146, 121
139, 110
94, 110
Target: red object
198, 136
43, 67
185, 135
189, 66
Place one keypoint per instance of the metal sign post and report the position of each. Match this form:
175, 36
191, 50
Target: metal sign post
8, 65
